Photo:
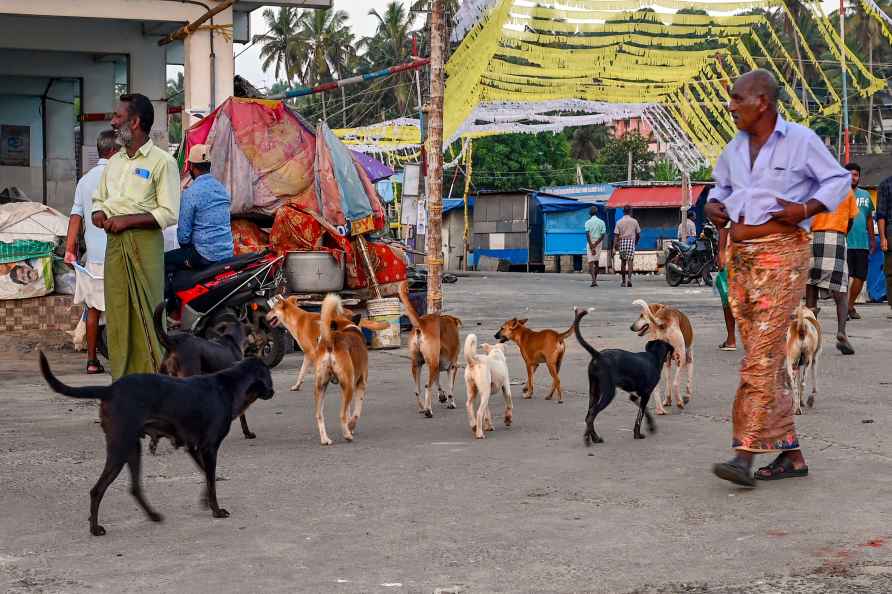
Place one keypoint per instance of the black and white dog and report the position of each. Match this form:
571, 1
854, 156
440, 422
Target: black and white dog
636, 373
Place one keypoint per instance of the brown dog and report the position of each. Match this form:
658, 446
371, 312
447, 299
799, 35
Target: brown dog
536, 347
340, 355
433, 342
661, 322
303, 326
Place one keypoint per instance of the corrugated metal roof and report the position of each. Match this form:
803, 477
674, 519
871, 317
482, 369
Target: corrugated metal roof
652, 196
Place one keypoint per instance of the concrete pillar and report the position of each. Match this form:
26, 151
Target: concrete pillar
200, 95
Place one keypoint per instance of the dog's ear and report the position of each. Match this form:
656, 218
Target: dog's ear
522, 322
292, 300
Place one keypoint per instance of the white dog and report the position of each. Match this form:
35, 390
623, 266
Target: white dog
484, 375
803, 350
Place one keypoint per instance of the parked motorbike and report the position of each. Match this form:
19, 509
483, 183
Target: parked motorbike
238, 287
685, 263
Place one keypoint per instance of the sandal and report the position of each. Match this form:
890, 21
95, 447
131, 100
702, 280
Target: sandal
734, 472
94, 367
727, 347
781, 468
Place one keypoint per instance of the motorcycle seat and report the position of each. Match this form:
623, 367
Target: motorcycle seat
684, 247
183, 279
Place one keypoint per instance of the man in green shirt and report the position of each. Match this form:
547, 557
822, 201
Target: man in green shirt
137, 197
860, 240
595, 230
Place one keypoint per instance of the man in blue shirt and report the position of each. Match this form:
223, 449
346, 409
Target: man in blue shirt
595, 230
203, 230
860, 240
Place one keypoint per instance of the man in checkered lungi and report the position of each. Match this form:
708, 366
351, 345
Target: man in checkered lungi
627, 232
829, 268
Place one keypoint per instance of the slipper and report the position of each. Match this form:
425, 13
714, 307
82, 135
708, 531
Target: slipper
844, 346
726, 347
94, 367
854, 315
781, 468
733, 472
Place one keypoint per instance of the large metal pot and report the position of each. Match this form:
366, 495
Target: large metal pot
314, 272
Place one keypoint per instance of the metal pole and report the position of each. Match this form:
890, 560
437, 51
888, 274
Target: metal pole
842, 65
435, 161
629, 176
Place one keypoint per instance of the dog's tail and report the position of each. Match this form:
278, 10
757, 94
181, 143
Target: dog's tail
801, 314
100, 392
410, 311
470, 349
331, 308
580, 313
158, 317
563, 335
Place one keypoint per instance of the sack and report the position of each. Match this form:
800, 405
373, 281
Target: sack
26, 278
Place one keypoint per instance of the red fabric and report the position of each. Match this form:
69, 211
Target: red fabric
295, 230
248, 238
652, 197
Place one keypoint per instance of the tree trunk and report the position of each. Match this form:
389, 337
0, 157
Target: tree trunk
434, 241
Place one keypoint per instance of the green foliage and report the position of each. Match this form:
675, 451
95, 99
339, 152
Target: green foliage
704, 174
664, 170
175, 98
513, 161
614, 157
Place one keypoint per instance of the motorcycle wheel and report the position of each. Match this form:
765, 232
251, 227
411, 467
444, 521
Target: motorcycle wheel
672, 278
272, 343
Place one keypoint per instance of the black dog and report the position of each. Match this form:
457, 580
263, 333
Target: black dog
636, 373
189, 355
196, 412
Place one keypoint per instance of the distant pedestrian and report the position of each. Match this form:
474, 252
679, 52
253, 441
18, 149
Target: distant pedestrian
829, 266
595, 230
884, 213
627, 233
860, 242
687, 231
89, 288
770, 180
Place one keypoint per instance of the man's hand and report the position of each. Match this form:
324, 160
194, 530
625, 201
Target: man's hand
792, 214
99, 219
117, 224
884, 244
716, 213
70, 257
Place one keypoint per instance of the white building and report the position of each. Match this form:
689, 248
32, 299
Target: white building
64, 62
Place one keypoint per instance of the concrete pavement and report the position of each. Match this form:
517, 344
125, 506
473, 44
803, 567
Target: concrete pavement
417, 505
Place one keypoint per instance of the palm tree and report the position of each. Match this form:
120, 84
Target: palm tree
277, 40
175, 88
392, 45
865, 30
321, 46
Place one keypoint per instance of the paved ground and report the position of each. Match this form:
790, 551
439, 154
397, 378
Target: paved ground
416, 505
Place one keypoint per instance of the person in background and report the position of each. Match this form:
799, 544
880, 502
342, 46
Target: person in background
768, 261
137, 197
687, 231
627, 232
721, 286
883, 213
204, 231
829, 266
595, 230
89, 288
859, 241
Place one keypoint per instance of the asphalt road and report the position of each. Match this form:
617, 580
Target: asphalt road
417, 505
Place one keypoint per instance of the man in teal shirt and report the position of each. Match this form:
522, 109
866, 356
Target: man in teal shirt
860, 240
595, 230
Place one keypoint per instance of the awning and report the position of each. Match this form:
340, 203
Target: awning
552, 204
652, 196
453, 203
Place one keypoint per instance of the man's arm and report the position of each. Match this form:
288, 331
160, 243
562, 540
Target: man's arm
834, 182
99, 215
187, 214
167, 188
871, 236
121, 223
884, 203
75, 220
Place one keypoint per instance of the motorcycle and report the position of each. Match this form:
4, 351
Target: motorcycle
685, 263
239, 287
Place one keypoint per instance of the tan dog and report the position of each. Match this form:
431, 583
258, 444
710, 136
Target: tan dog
340, 355
433, 342
537, 347
803, 351
484, 375
303, 326
661, 322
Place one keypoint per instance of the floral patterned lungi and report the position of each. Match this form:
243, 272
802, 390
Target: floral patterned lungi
766, 281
